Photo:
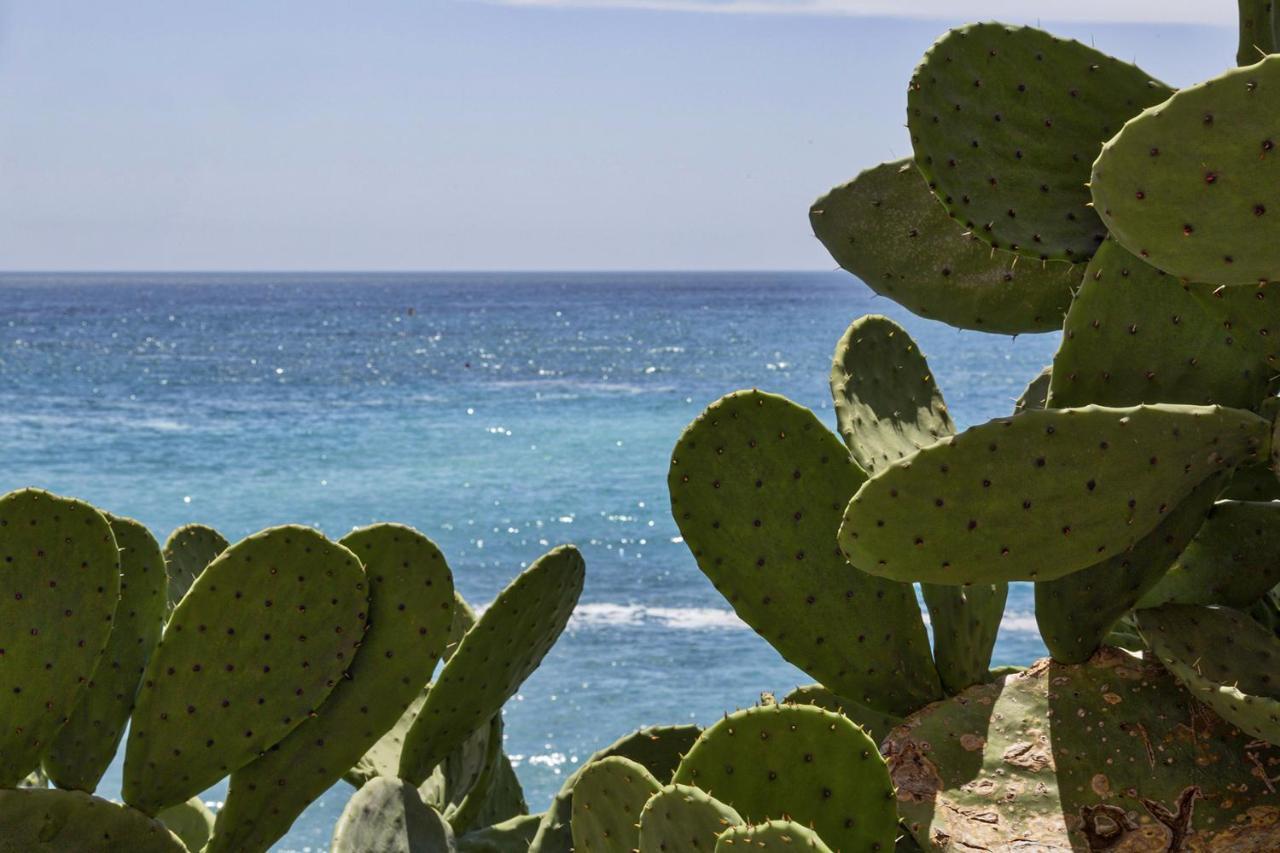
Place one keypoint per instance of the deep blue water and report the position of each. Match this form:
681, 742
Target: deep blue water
500, 414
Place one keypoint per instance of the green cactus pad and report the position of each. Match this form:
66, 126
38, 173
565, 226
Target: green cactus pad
1080, 757
1076, 612
680, 817
505, 797
658, 749
811, 765
83, 749
757, 486
1136, 335
874, 723
607, 802
1257, 37
387, 816
1192, 186
191, 821
889, 230
494, 658
887, 404
249, 653
1227, 660
965, 620
1005, 122
410, 610
1233, 560
468, 774
1042, 494
513, 835
775, 836
1036, 394
59, 585
187, 552
48, 820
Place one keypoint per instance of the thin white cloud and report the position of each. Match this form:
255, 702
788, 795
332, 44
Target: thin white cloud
1219, 13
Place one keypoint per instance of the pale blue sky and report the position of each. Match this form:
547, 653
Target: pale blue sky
459, 134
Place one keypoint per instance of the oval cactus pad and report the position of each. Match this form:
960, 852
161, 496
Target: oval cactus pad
187, 552
607, 802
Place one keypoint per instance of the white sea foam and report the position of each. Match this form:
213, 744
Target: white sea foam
612, 615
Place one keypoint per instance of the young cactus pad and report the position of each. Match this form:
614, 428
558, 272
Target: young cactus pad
1042, 494
1108, 755
84, 747
253, 648
191, 821
48, 820
1227, 660
1137, 335
814, 766
775, 836
59, 584
493, 660
607, 802
1192, 186
187, 552
889, 230
681, 817
388, 816
1005, 122
757, 486
410, 608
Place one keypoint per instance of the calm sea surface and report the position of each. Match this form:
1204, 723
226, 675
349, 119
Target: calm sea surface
500, 414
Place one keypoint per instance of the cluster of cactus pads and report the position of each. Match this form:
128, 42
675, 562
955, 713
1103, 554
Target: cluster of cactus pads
285, 661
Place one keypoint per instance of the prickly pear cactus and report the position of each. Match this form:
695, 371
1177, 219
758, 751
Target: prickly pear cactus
607, 802
757, 486
410, 603
255, 646
1005, 122
513, 835
1257, 33
85, 745
48, 820
774, 836
191, 821
1042, 494
495, 657
889, 230
1227, 660
681, 817
187, 552
1112, 754
59, 584
872, 722
387, 816
658, 749
814, 766
1190, 186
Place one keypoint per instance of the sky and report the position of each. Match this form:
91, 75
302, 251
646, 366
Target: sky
465, 134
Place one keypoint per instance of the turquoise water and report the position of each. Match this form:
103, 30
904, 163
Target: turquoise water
500, 414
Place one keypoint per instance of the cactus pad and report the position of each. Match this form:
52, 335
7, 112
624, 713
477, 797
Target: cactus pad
1192, 186
965, 620
249, 653
811, 765
607, 802
48, 820
1005, 122
775, 836
1112, 754
757, 486
1233, 560
513, 835
410, 609
1136, 335
1227, 660
658, 749
59, 584
387, 816
1076, 612
82, 750
494, 658
680, 817
1042, 494
1036, 394
187, 552
191, 821
874, 723
889, 230
1257, 38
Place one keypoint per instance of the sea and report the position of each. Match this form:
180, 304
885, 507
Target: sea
499, 413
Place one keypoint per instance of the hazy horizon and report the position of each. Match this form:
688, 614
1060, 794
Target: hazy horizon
457, 135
